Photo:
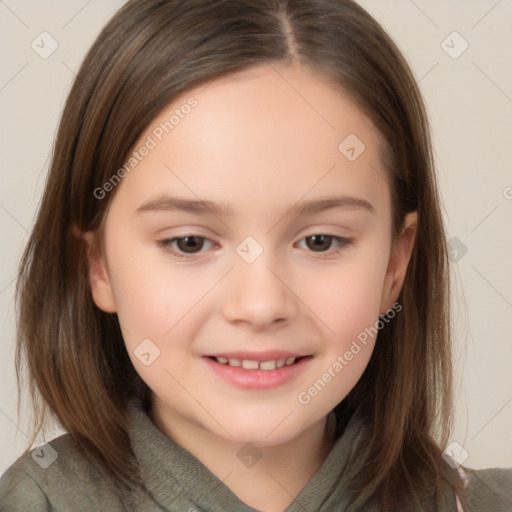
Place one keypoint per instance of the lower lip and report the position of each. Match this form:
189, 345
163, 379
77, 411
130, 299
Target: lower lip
258, 379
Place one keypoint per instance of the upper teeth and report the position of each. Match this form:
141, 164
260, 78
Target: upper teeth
247, 364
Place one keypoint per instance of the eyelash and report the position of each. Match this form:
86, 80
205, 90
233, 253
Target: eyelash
344, 243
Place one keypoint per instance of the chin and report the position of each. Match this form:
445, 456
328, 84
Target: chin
272, 431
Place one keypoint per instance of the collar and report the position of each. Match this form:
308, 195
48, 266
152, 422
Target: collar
176, 479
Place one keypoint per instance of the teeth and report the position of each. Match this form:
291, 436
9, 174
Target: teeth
249, 365
268, 365
255, 365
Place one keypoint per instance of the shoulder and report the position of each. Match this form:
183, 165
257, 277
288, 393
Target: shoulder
54, 476
487, 489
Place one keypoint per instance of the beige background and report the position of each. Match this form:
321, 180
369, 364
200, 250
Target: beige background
469, 100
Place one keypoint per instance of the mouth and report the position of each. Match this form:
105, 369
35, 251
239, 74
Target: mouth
253, 364
251, 374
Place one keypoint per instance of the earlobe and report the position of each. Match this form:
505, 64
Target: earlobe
398, 262
98, 276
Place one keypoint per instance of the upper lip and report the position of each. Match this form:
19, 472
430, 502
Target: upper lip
267, 355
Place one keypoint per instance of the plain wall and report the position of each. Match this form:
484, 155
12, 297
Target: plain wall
469, 99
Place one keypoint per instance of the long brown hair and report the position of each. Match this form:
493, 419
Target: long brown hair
150, 52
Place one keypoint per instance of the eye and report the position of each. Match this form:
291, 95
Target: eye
187, 245
190, 245
321, 243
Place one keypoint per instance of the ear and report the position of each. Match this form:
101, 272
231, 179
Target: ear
398, 262
101, 288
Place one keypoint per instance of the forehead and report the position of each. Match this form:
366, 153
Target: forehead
269, 133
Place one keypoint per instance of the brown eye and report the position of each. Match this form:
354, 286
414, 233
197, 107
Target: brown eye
319, 242
181, 247
189, 244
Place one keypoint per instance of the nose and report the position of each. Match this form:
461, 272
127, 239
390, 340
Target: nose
259, 296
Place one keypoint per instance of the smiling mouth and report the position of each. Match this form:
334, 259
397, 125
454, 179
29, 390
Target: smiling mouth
252, 374
248, 364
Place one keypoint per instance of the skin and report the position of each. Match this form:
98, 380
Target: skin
260, 145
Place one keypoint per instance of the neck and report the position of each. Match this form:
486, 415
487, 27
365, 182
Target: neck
272, 478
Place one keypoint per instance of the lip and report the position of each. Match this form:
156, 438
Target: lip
267, 355
257, 379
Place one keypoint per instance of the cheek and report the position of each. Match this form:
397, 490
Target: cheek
347, 297
155, 307
152, 297
349, 309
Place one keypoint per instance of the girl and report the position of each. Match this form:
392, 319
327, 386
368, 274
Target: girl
296, 356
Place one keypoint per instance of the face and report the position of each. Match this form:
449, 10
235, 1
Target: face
256, 229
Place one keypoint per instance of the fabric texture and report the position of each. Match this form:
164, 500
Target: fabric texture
176, 481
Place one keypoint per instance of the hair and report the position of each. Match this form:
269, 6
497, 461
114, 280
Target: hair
150, 52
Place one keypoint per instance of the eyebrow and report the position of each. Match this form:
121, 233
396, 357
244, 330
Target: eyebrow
205, 207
